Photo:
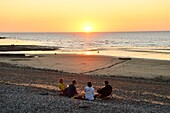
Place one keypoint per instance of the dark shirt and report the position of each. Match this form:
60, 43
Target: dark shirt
71, 91
106, 91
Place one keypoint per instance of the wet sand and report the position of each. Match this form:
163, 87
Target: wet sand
95, 65
7, 41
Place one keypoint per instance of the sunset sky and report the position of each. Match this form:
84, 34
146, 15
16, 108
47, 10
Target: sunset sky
84, 15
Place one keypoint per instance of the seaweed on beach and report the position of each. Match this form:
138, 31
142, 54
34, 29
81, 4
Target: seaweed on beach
13, 47
1, 37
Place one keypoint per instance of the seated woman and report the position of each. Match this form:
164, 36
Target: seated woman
62, 86
105, 91
89, 91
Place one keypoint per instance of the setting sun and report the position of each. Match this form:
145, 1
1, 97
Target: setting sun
87, 53
88, 28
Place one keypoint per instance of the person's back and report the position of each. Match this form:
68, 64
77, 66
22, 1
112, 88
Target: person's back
71, 91
61, 85
89, 92
105, 91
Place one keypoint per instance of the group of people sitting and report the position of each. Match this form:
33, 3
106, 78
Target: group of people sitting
88, 94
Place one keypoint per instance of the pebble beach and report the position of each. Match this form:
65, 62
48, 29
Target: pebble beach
32, 90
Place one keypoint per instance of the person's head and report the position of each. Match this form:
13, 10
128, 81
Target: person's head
106, 82
61, 80
89, 84
74, 82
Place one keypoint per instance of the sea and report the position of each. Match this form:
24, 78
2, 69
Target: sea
83, 41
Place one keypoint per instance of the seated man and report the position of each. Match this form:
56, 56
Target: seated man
62, 86
105, 91
71, 91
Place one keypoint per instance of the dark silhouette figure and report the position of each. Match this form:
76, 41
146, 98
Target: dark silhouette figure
105, 91
71, 91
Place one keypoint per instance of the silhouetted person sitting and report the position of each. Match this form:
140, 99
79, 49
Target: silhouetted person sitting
105, 91
71, 91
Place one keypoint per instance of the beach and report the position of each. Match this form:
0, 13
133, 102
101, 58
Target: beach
27, 87
94, 65
28, 82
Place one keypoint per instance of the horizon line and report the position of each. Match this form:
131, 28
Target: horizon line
84, 32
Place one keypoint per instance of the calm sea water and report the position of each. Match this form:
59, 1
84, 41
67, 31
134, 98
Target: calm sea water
81, 41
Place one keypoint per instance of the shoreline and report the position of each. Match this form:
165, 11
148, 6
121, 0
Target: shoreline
13, 46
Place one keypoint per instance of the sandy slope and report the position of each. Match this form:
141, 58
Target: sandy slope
20, 92
96, 65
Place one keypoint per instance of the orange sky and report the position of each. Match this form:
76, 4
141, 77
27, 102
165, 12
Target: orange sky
74, 15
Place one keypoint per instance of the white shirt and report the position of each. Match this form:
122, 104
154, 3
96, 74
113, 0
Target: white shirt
89, 93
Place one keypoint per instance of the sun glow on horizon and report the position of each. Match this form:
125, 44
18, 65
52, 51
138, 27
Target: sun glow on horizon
87, 53
88, 28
